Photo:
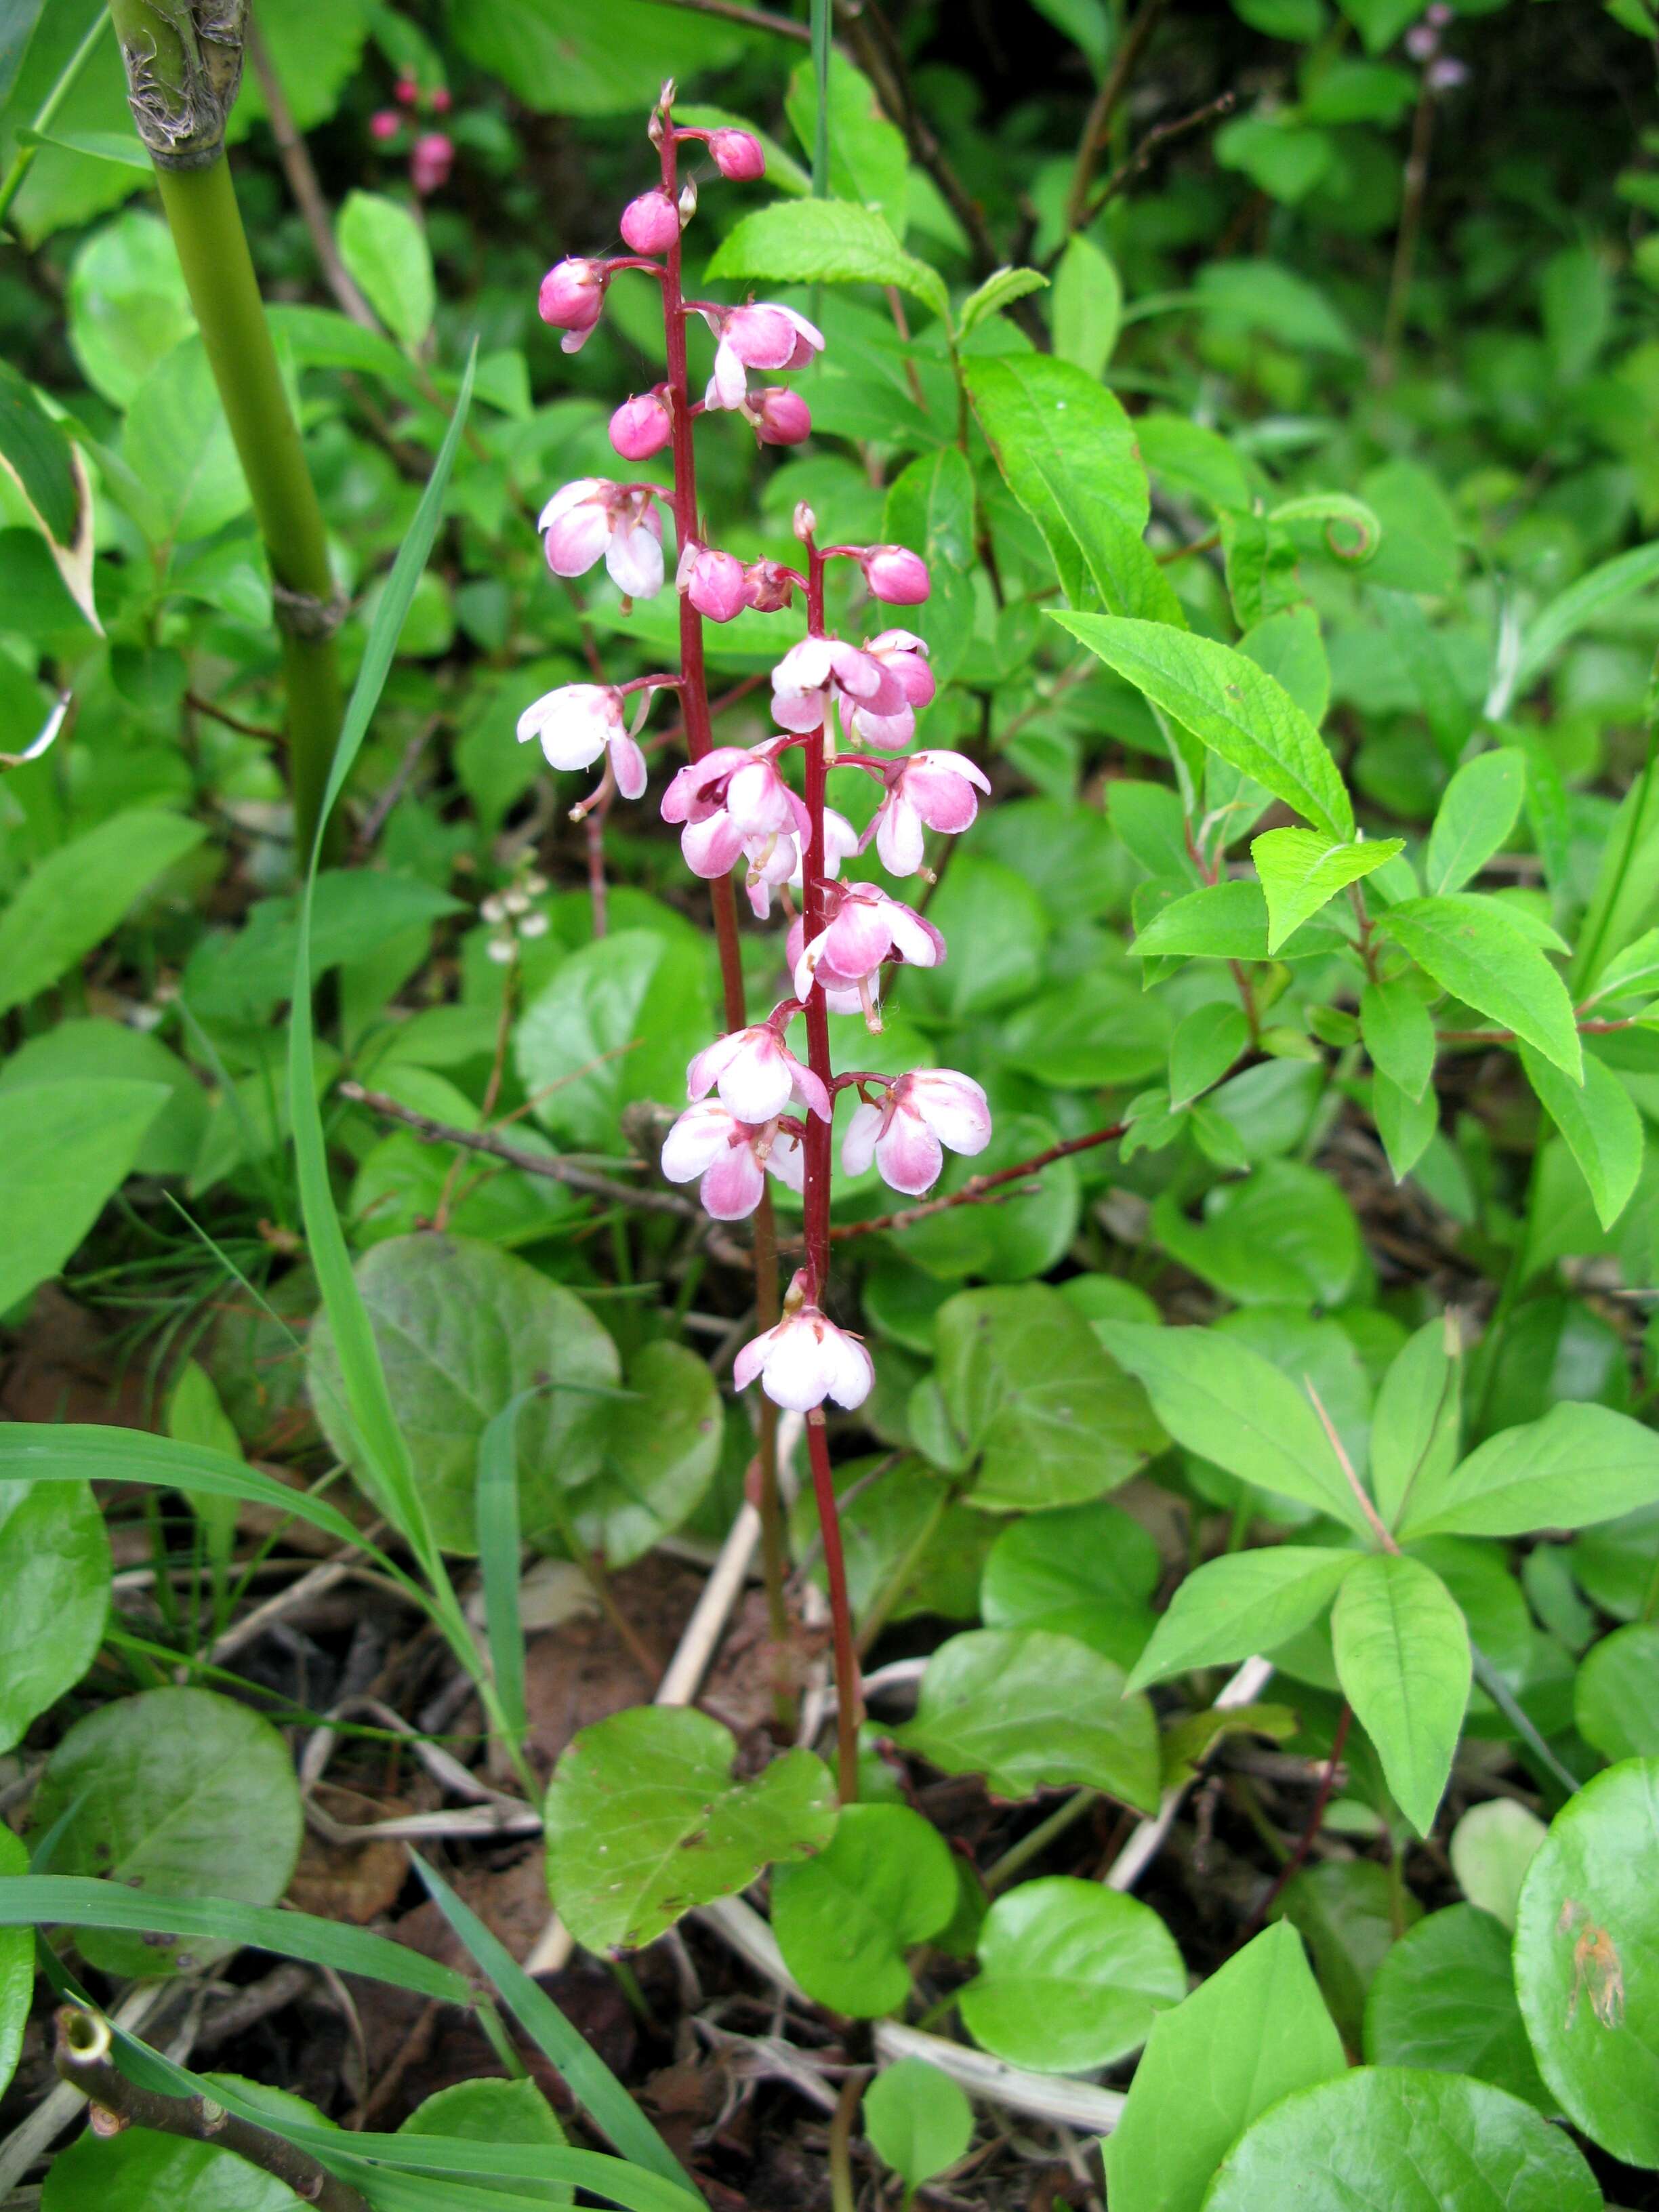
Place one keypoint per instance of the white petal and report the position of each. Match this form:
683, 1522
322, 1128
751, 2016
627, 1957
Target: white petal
899, 838
698, 1137
858, 1146
851, 1372
567, 495
756, 1085
753, 1357
635, 560
798, 1372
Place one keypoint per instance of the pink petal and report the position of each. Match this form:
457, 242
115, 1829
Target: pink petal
798, 1371
712, 1062
914, 936
909, 1154
756, 1084
628, 765
752, 1358
713, 846
635, 559
732, 1188
898, 837
787, 1161
953, 1106
809, 1088
852, 1373
576, 539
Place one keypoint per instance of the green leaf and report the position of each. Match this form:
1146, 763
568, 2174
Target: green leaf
1001, 286
1580, 1464
81, 892
35, 451
917, 2119
868, 160
1602, 1127
1491, 1849
1224, 921
385, 251
1227, 1403
178, 445
1417, 1424
616, 1023
1071, 1975
1009, 1242
1444, 1999
179, 1794
1052, 1417
1480, 806
491, 2112
846, 1919
1088, 306
1402, 1657
1411, 2141
1614, 1703
1236, 708
661, 1445
1255, 2031
1244, 1603
1085, 1570
564, 58
1279, 157
55, 1568
459, 1328
1585, 1941
128, 304
1399, 1034
16, 1965
1631, 973
1350, 1915
1208, 1042
1473, 948
1029, 1711
930, 509
98, 1049
826, 242
1406, 1125
644, 1820
1579, 605
1284, 1235
1301, 870
67, 1148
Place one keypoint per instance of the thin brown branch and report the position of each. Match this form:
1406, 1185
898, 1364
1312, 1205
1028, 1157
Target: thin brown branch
295, 158
198, 704
1373, 1518
1153, 142
1097, 128
983, 1189
752, 19
1305, 1841
82, 2060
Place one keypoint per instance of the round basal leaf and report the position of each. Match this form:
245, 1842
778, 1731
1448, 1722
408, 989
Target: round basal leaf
917, 2119
1587, 1960
54, 1569
1491, 1849
1285, 1235
1393, 2139
659, 1450
1085, 1570
1008, 1242
1616, 1697
1072, 1974
845, 1920
1031, 1390
490, 2110
644, 1820
461, 1327
178, 1793
1445, 1998
902, 1530
1029, 1710
16, 1965
619, 1022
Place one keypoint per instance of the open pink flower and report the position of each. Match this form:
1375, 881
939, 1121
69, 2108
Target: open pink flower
716, 583
931, 790
864, 928
731, 1157
578, 722
820, 669
594, 517
572, 299
907, 1132
805, 1359
755, 336
757, 1076
904, 657
734, 802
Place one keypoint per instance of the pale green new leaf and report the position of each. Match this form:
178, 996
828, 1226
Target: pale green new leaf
999, 289
1402, 1657
1580, 1464
1398, 1032
1416, 1421
387, 251
1406, 1125
1480, 807
1580, 604
1243, 1602
1236, 708
1301, 870
79, 893
1602, 1127
826, 242
1472, 947
1631, 973
1088, 306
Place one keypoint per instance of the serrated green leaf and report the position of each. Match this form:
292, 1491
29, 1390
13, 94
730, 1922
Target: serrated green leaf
1579, 1464
1398, 1033
1602, 1127
1473, 948
1001, 286
826, 242
1302, 869
1480, 806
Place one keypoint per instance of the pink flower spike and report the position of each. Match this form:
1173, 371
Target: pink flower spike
737, 155
805, 1359
906, 1134
779, 417
934, 790
820, 669
651, 223
385, 123
575, 724
429, 161
757, 1076
572, 299
715, 582
641, 427
896, 575
594, 516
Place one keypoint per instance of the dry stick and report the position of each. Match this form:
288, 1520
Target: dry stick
980, 1190
1113, 87
34, 2135
1156, 138
216, 714
1310, 1830
295, 158
81, 2058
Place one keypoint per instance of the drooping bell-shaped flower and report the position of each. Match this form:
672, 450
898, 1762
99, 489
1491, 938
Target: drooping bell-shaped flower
594, 518
731, 1157
641, 426
863, 927
907, 1133
779, 417
935, 791
756, 1074
572, 299
758, 336
805, 1359
822, 669
904, 657
576, 723
734, 802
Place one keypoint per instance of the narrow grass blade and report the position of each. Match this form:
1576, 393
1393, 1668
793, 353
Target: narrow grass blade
499, 1548
590, 2080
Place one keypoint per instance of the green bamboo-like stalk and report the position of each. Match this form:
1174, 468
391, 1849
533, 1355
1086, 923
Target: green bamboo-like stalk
183, 65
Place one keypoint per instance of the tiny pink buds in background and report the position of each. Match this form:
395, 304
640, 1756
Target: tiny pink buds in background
780, 417
758, 1074
572, 299
429, 161
896, 575
441, 102
738, 156
385, 123
651, 223
715, 582
406, 92
641, 427
906, 1132
594, 516
805, 1359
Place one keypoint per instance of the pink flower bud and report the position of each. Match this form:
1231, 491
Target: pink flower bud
385, 123
641, 427
780, 417
572, 299
651, 223
406, 91
896, 575
441, 101
737, 155
767, 587
429, 161
715, 582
